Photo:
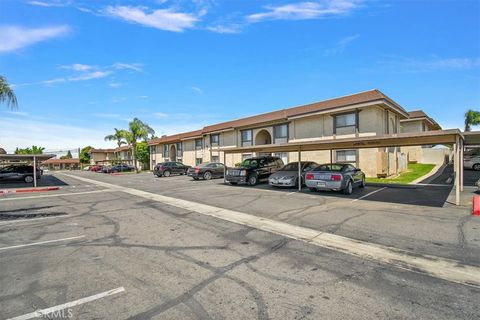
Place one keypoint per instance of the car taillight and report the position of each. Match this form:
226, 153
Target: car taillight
336, 177
309, 176
197, 170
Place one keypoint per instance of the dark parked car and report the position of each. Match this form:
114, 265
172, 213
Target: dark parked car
335, 176
252, 170
207, 171
288, 175
166, 169
19, 173
122, 168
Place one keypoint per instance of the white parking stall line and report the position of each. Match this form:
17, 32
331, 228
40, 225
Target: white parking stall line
39, 243
369, 194
31, 219
434, 266
55, 195
53, 310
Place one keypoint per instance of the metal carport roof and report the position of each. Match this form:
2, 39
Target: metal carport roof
26, 157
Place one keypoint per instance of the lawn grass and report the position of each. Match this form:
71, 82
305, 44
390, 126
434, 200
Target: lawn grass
414, 171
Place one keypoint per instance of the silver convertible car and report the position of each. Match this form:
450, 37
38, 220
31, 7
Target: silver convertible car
335, 176
288, 175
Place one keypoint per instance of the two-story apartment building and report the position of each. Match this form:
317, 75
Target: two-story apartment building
108, 156
367, 113
419, 121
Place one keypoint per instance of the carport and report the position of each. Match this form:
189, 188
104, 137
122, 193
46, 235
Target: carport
453, 137
26, 158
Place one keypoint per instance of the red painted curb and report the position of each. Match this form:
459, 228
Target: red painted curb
40, 189
476, 205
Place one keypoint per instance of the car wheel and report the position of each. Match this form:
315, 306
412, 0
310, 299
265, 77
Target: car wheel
28, 179
476, 167
348, 189
207, 175
195, 178
166, 173
233, 183
252, 180
312, 189
362, 183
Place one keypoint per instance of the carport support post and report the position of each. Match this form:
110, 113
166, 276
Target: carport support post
224, 166
456, 163
299, 169
461, 164
34, 171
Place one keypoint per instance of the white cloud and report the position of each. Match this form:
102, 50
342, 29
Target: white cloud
227, 29
13, 38
114, 85
163, 19
79, 67
129, 66
341, 45
434, 63
90, 75
55, 3
197, 90
305, 10
160, 115
143, 97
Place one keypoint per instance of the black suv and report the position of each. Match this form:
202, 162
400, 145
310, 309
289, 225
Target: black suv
19, 173
166, 169
252, 170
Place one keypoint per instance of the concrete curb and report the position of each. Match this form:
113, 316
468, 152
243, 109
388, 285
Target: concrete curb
38, 189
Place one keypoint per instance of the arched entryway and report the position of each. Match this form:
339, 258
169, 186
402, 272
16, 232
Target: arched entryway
173, 153
263, 137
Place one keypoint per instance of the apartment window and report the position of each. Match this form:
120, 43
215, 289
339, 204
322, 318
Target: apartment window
345, 120
179, 149
347, 155
246, 136
215, 159
280, 131
166, 152
198, 144
214, 139
198, 161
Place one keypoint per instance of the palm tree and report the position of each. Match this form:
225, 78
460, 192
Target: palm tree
6, 94
137, 130
118, 136
472, 118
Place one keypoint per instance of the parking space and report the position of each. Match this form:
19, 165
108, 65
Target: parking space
120, 247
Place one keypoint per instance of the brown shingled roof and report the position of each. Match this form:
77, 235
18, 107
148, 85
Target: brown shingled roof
102, 150
284, 114
418, 114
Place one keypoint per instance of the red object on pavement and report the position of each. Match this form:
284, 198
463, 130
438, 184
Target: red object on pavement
476, 205
41, 189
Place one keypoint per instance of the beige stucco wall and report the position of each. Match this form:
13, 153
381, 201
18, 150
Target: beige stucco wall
411, 126
370, 120
367, 161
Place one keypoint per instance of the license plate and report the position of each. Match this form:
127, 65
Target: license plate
321, 184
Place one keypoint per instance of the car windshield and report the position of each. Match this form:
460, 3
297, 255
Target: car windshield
290, 167
330, 167
249, 163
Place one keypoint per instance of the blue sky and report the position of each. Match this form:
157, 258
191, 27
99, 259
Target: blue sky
81, 68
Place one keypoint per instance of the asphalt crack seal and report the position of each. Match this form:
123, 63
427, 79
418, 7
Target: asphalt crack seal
438, 267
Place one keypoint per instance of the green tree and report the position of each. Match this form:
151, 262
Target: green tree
84, 156
67, 156
32, 150
472, 118
118, 137
137, 130
6, 94
143, 153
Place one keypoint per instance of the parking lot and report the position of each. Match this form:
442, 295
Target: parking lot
137, 246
